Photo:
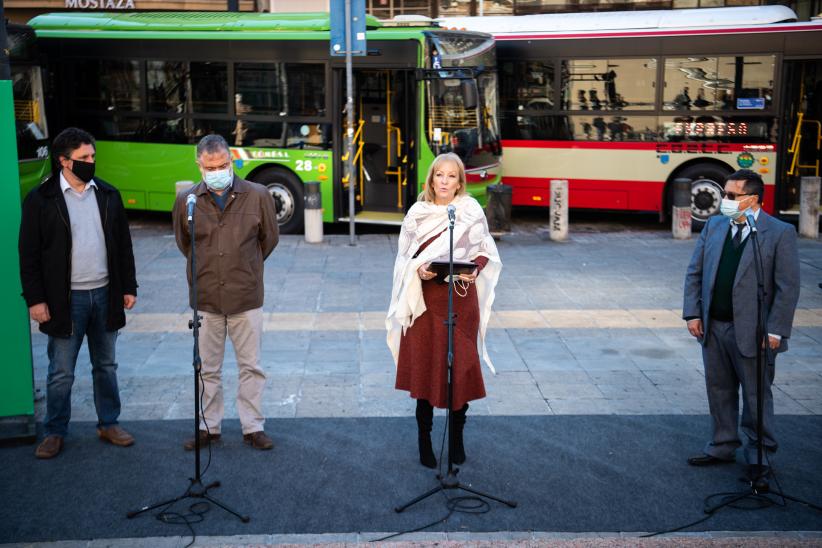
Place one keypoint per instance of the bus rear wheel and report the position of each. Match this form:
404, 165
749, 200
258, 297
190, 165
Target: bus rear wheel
708, 182
287, 191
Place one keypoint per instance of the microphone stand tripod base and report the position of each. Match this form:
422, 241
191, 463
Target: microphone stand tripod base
448, 482
196, 490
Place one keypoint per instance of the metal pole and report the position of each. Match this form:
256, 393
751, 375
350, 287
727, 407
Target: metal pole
349, 134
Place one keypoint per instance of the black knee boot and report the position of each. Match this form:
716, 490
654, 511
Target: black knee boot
458, 450
425, 419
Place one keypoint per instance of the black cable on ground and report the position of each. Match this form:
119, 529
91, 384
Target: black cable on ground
466, 504
758, 501
195, 514
202, 416
469, 504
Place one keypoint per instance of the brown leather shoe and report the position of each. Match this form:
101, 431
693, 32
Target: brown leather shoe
50, 447
115, 435
205, 439
258, 440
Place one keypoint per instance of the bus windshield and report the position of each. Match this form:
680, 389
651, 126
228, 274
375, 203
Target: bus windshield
462, 98
29, 112
27, 85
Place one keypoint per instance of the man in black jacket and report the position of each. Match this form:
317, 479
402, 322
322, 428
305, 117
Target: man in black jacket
77, 271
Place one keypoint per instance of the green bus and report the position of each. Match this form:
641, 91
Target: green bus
150, 85
29, 112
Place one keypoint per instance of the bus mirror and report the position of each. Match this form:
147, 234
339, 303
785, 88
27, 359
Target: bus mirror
470, 95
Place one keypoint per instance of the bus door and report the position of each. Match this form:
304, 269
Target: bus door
383, 140
799, 147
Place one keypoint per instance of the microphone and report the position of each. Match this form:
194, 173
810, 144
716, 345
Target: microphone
452, 213
190, 201
749, 216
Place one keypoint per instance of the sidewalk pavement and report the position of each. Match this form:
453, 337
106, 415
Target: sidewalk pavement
587, 326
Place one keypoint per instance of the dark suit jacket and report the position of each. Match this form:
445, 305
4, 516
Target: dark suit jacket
780, 262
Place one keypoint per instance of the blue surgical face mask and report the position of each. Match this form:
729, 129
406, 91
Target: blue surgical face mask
730, 208
218, 180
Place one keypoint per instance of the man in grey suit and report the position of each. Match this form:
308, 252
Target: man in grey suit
721, 308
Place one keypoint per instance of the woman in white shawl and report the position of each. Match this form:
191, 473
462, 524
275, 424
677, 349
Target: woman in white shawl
417, 335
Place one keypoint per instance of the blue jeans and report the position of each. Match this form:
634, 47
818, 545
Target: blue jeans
89, 310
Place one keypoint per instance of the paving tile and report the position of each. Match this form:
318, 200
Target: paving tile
578, 406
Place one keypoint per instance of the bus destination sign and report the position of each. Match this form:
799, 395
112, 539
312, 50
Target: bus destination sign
100, 4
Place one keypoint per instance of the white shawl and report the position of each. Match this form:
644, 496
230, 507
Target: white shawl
471, 240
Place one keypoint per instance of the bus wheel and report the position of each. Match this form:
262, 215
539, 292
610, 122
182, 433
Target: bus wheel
706, 191
287, 191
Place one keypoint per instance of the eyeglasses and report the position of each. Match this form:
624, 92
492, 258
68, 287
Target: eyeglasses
733, 195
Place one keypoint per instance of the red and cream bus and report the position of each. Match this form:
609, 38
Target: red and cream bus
621, 103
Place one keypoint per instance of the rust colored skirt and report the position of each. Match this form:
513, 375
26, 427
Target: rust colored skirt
422, 367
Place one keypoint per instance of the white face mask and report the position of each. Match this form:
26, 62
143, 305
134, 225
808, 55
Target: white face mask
730, 208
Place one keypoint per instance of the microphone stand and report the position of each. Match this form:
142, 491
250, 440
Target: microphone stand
450, 481
759, 485
196, 489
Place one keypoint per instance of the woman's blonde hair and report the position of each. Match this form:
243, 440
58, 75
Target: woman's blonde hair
428, 193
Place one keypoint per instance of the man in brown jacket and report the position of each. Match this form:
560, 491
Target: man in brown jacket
235, 230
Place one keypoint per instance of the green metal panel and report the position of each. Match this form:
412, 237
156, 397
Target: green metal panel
148, 180
16, 389
32, 173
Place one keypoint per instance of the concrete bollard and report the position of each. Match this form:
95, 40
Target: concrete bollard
809, 207
313, 218
681, 213
559, 210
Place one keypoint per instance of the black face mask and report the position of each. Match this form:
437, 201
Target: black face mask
83, 170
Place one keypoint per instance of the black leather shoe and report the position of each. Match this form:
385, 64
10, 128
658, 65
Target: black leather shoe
707, 460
